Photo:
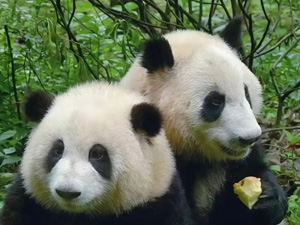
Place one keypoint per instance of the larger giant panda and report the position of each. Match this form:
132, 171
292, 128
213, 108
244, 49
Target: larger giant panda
97, 156
209, 99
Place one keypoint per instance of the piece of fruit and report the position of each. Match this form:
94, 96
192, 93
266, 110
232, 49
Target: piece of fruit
248, 190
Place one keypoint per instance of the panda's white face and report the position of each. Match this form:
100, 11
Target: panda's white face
208, 98
85, 156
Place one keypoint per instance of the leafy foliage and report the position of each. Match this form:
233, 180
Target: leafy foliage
52, 45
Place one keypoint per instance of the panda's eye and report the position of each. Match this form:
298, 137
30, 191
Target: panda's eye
217, 101
99, 158
97, 152
213, 106
214, 99
58, 147
55, 154
247, 95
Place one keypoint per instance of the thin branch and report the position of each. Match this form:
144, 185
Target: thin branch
267, 27
280, 129
176, 7
272, 75
174, 13
13, 74
287, 36
72, 38
194, 22
251, 33
288, 92
234, 7
72, 14
225, 9
243, 10
200, 13
63, 24
117, 14
282, 96
285, 53
165, 18
35, 73
211, 11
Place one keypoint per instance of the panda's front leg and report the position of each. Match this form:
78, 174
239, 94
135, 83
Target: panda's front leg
19, 208
14, 204
272, 203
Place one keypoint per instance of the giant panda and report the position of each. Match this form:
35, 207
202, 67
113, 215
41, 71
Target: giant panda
97, 156
209, 99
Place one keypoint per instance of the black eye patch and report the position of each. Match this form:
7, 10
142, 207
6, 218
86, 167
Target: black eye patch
213, 106
247, 95
55, 154
100, 160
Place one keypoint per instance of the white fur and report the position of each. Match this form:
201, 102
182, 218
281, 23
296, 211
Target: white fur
203, 63
82, 117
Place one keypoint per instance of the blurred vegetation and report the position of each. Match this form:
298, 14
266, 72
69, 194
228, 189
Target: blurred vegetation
52, 45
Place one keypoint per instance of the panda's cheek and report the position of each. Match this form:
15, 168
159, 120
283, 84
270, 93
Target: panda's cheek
220, 135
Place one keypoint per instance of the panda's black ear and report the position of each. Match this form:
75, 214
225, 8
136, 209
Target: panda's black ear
232, 34
146, 118
36, 105
157, 55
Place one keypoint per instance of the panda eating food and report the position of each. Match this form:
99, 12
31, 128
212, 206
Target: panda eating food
97, 156
209, 99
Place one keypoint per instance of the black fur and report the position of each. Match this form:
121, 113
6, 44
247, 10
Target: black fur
232, 34
228, 209
36, 105
170, 209
54, 154
213, 106
101, 161
247, 95
157, 55
146, 118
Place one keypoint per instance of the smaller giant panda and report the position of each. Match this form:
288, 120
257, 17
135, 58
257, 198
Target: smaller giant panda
208, 98
97, 156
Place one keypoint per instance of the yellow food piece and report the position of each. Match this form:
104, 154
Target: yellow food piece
248, 190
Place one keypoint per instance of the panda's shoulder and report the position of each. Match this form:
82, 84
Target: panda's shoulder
17, 203
170, 208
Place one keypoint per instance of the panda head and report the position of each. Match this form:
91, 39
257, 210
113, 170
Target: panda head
207, 96
96, 149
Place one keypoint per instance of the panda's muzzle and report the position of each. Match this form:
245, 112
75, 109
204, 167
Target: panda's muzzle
239, 146
247, 142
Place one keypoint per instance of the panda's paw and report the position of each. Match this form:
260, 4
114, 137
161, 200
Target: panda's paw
272, 203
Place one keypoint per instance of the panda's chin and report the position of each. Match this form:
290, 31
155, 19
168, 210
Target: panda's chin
235, 154
72, 207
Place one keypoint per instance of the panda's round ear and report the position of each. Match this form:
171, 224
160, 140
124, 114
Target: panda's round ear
232, 34
146, 118
36, 105
157, 55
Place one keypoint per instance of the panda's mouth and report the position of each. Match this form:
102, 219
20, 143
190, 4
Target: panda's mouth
232, 152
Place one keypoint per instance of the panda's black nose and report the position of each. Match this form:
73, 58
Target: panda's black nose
67, 194
246, 142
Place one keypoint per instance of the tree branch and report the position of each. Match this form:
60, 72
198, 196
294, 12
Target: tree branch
13, 71
280, 129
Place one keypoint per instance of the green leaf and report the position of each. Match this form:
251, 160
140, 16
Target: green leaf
10, 160
135, 38
276, 169
6, 135
292, 138
10, 150
130, 6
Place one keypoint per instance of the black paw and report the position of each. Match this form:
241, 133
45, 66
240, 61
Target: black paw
272, 203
